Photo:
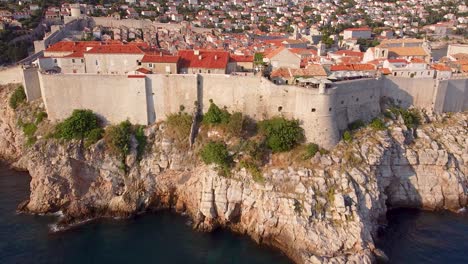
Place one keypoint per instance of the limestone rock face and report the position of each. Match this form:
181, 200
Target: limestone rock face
323, 213
10, 139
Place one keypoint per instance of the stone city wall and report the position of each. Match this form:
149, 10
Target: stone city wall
114, 98
323, 113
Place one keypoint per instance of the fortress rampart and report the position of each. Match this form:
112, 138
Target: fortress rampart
324, 113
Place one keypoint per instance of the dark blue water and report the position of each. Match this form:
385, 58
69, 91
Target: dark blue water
152, 238
411, 237
414, 236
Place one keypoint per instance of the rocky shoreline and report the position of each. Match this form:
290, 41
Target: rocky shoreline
325, 212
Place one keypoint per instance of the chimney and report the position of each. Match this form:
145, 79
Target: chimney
199, 57
160, 53
196, 52
216, 57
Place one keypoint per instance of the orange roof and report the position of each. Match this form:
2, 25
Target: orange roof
241, 58
441, 67
385, 71
116, 49
161, 58
358, 29
299, 51
310, 71
211, 59
407, 51
270, 54
352, 67
397, 61
143, 70
350, 53
417, 60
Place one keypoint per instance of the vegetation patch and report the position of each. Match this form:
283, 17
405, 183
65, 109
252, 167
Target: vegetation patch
347, 136
218, 154
254, 170
178, 126
18, 97
411, 117
40, 116
78, 125
94, 136
216, 115
141, 140
281, 134
117, 139
378, 124
356, 125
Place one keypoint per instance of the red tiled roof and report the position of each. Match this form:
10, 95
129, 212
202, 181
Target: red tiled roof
397, 61
303, 51
210, 59
352, 67
385, 71
350, 53
116, 49
441, 67
151, 58
358, 29
271, 53
143, 70
241, 58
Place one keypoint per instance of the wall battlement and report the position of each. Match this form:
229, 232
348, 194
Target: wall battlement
324, 115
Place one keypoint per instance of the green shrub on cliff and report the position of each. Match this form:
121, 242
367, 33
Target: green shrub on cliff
217, 153
178, 126
347, 136
356, 125
254, 170
378, 124
78, 125
141, 140
311, 150
94, 136
117, 139
281, 134
215, 115
17, 98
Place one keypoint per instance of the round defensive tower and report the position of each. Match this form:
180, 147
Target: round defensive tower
317, 110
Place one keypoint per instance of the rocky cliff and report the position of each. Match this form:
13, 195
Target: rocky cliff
324, 211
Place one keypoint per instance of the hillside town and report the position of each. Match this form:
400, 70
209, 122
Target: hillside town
285, 41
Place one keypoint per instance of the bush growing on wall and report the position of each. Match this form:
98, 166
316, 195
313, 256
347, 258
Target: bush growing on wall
356, 125
78, 125
215, 153
311, 150
347, 137
235, 125
17, 98
281, 134
178, 125
378, 124
117, 139
215, 115
94, 136
142, 141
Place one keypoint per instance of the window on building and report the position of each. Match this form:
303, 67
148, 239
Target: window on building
280, 108
329, 109
150, 65
82, 60
342, 102
209, 71
357, 99
97, 62
55, 60
199, 71
313, 110
73, 60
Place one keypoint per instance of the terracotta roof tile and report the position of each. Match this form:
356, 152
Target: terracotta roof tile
209, 59
161, 58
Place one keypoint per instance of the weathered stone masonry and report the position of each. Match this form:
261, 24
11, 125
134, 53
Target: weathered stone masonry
323, 113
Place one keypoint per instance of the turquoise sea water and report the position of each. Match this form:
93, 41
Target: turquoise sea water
411, 237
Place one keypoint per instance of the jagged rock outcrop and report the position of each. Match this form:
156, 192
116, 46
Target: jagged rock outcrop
10, 139
325, 212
